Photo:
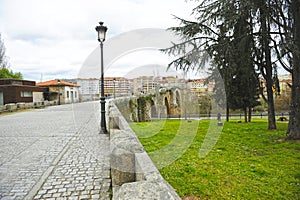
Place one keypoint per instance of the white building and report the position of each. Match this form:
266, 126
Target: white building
89, 88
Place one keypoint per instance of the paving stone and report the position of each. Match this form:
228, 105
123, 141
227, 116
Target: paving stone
52, 191
84, 196
62, 190
59, 144
56, 195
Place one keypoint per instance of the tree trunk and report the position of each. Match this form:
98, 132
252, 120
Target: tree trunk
227, 113
245, 114
267, 69
249, 114
293, 132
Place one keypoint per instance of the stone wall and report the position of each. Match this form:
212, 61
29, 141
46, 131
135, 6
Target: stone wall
134, 176
11, 107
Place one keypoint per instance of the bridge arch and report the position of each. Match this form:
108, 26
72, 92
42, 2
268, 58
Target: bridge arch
167, 104
177, 98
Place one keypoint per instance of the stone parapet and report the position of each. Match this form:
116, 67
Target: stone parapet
134, 175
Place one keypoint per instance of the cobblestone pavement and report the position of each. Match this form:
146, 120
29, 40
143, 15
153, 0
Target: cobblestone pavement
54, 153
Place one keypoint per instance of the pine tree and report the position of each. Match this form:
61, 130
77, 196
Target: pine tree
215, 33
222, 31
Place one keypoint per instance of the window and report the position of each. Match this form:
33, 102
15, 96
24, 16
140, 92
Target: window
26, 94
68, 94
75, 94
15, 82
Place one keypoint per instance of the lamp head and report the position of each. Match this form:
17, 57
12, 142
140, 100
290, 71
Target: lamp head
101, 32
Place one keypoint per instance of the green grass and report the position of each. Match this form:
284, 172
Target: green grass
247, 162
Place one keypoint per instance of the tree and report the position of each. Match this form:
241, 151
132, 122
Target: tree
3, 59
223, 31
287, 48
245, 79
214, 34
293, 132
4, 66
263, 56
6, 73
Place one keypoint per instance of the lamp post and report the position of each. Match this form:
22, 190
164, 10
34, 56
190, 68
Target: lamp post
114, 88
101, 38
58, 83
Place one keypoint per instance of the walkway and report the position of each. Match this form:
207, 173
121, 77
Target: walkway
54, 153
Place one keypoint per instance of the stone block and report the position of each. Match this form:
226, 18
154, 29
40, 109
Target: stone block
2, 108
52, 103
114, 122
125, 140
123, 148
11, 107
38, 104
29, 105
122, 167
46, 103
145, 168
21, 105
146, 190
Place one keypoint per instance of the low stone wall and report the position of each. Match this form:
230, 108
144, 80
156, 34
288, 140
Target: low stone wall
19, 106
134, 176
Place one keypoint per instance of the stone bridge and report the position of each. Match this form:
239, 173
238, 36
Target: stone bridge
167, 101
163, 103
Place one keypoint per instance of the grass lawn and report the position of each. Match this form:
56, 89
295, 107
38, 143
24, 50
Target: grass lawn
247, 162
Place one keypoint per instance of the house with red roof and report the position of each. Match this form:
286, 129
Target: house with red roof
61, 91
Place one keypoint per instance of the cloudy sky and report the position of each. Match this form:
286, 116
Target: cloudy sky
48, 39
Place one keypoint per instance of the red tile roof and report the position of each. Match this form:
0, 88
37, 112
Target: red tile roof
55, 83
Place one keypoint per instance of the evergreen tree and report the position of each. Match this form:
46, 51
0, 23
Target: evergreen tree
224, 32
245, 79
221, 30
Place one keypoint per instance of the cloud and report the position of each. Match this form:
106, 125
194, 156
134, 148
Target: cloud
54, 37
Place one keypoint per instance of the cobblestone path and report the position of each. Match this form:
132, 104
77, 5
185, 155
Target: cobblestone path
54, 153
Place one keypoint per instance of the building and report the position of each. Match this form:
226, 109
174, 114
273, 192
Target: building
285, 84
16, 91
144, 84
117, 86
200, 87
69, 92
89, 88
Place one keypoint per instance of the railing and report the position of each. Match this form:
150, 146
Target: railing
215, 115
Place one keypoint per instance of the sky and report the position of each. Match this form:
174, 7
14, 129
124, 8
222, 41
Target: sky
53, 39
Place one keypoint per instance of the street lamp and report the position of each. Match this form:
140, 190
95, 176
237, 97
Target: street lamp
58, 83
101, 38
114, 88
